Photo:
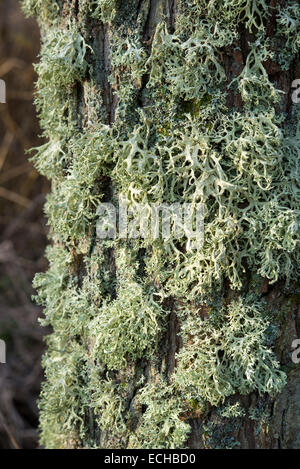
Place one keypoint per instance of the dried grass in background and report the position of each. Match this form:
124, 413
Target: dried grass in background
22, 232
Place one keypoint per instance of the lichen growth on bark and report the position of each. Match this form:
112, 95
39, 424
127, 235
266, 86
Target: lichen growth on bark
170, 137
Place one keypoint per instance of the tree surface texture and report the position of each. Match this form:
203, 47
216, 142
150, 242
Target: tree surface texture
156, 344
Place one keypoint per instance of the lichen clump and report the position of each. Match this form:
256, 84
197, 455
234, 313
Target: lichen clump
47, 11
228, 354
161, 120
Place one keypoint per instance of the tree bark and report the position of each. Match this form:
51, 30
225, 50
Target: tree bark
171, 101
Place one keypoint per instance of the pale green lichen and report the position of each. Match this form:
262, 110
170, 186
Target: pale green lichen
72, 205
62, 414
227, 354
288, 30
46, 10
103, 9
129, 66
253, 83
161, 425
174, 61
231, 171
232, 411
107, 401
174, 140
126, 328
62, 65
251, 13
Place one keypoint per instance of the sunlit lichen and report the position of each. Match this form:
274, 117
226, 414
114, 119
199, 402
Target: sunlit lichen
103, 9
227, 354
46, 10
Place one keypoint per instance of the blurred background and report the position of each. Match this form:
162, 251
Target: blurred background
22, 231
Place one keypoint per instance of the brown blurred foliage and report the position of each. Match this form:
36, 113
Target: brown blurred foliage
22, 231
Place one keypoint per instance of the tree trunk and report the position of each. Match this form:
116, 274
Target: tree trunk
160, 343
